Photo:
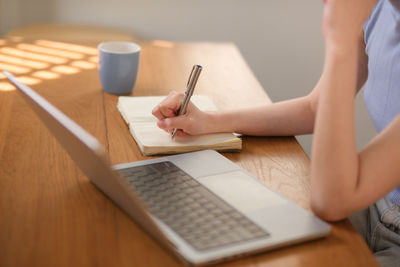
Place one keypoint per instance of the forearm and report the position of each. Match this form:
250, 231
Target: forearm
291, 117
334, 165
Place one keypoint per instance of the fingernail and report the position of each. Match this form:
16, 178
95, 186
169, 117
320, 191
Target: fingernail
161, 123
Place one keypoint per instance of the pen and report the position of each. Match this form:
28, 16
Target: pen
194, 75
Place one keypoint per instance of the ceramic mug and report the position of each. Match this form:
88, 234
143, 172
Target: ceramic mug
118, 66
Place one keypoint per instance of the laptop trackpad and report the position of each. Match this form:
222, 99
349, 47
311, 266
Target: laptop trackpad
242, 191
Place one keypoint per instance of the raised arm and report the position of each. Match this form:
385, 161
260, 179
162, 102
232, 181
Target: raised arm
343, 180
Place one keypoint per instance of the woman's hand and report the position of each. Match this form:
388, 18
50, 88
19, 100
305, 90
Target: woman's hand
193, 122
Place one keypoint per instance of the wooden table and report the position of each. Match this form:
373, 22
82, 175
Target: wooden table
51, 215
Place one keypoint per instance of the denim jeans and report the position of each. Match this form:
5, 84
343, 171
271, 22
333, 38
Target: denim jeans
379, 225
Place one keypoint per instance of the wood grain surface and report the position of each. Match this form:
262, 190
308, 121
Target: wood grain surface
51, 215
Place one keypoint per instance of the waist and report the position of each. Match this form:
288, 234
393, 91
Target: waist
395, 196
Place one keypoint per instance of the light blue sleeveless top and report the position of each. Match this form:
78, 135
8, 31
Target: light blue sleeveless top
382, 89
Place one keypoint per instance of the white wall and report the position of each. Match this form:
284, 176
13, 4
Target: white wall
9, 15
280, 39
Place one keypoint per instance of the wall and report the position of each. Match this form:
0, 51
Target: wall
280, 39
9, 15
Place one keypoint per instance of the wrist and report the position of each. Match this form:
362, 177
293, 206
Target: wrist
215, 122
341, 49
210, 121
343, 46
341, 68
339, 54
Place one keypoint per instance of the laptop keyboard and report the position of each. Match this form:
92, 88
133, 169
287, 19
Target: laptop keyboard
199, 216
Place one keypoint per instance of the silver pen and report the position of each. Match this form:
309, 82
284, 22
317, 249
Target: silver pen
191, 84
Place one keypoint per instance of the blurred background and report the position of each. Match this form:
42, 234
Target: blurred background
281, 40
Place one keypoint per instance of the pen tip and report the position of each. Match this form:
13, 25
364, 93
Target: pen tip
173, 134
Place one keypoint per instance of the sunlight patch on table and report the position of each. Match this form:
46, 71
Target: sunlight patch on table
13, 68
43, 60
6, 86
69, 47
23, 62
46, 75
30, 55
50, 51
162, 43
28, 80
63, 69
83, 65
94, 59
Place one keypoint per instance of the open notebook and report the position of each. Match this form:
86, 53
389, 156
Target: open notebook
151, 140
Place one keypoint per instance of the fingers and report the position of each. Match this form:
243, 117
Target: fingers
180, 122
166, 112
169, 106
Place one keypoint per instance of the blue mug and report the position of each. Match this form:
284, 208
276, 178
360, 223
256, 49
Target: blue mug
118, 66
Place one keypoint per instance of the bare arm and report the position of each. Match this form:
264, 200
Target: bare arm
343, 180
289, 117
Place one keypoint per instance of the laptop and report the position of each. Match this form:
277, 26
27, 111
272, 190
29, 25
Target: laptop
201, 206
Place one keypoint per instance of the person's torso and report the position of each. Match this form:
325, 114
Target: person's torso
382, 89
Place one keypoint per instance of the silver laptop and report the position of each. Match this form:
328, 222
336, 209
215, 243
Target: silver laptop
200, 205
